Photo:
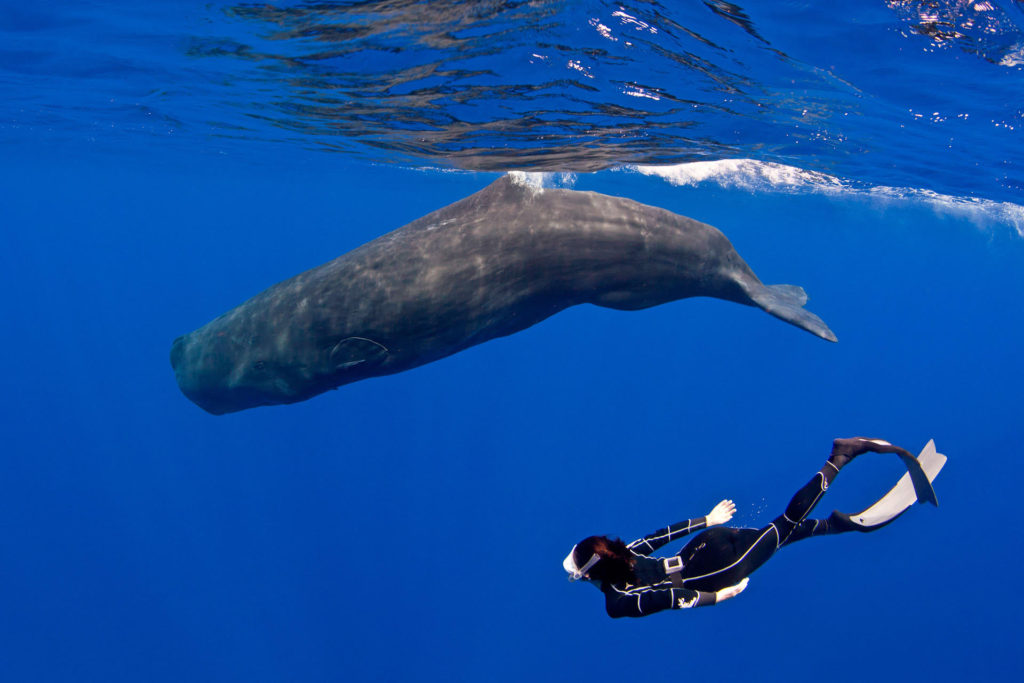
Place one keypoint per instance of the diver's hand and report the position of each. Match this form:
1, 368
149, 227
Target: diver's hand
731, 591
721, 513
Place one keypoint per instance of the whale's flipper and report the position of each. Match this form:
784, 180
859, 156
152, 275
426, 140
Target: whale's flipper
357, 351
786, 302
893, 504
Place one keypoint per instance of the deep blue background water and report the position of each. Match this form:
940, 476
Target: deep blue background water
412, 527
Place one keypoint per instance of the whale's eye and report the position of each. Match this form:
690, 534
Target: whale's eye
259, 365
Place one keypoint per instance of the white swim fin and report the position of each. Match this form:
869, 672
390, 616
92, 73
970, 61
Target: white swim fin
914, 486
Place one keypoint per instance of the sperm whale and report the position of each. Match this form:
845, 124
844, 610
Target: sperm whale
489, 265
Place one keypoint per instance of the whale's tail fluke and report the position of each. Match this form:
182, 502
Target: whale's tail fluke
786, 302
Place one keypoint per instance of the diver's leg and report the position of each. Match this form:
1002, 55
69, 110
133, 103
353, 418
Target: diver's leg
806, 529
803, 502
833, 524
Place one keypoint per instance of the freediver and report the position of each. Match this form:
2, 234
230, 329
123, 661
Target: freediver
715, 565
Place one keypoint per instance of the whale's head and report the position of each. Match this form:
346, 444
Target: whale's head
221, 375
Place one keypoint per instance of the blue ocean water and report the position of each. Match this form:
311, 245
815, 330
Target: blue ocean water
165, 161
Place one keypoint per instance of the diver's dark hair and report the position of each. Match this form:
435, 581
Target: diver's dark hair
616, 564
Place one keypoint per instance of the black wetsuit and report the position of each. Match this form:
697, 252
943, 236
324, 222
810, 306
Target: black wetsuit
718, 557
654, 590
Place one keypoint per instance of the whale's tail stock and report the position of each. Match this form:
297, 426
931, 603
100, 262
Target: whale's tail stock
786, 302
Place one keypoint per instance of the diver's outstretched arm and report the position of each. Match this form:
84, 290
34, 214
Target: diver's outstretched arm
640, 601
651, 542
720, 514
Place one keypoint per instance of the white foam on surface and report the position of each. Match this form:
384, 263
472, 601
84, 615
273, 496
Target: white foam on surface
1014, 57
540, 181
761, 176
